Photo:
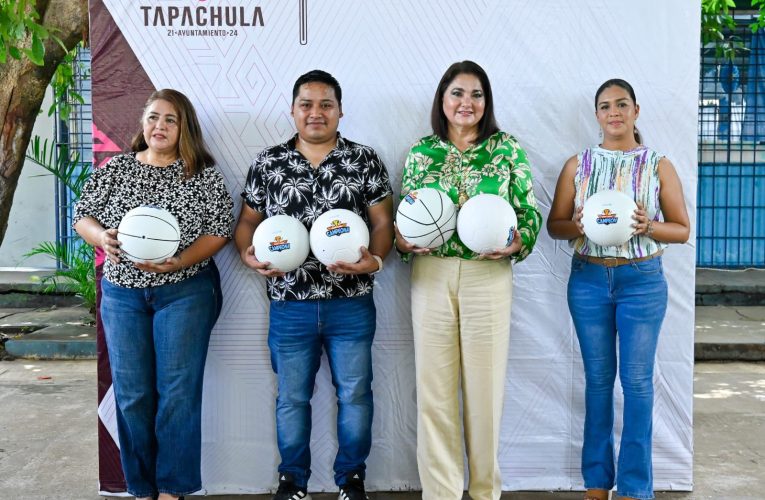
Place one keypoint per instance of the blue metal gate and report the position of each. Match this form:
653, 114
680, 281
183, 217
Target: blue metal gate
74, 135
731, 171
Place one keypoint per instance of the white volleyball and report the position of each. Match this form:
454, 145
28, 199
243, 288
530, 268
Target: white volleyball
486, 223
426, 217
282, 241
337, 235
148, 234
607, 218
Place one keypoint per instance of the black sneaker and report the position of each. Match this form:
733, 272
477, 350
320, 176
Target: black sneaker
353, 489
288, 490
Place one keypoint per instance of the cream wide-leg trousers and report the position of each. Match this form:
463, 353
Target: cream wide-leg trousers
461, 322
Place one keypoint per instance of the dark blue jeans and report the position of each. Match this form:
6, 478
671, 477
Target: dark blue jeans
157, 339
298, 332
618, 308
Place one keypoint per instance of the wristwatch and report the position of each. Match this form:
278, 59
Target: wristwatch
379, 263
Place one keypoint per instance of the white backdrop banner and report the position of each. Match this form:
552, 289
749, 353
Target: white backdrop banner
237, 62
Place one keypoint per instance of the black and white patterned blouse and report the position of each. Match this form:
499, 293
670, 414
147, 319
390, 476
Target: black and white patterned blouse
282, 181
201, 204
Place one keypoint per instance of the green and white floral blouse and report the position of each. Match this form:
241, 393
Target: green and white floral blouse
497, 165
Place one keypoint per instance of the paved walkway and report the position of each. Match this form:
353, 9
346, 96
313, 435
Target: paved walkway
48, 435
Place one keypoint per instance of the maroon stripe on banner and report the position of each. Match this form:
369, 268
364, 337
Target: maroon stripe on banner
120, 85
120, 89
110, 477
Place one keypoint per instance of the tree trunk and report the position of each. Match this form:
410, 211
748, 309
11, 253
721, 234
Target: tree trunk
22, 89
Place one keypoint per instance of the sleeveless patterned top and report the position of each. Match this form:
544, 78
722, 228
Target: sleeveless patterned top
635, 173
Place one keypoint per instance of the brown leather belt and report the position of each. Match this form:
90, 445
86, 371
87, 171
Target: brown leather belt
615, 261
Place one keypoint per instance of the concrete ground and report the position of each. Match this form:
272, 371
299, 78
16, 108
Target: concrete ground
48, 434
730, 333
730, 287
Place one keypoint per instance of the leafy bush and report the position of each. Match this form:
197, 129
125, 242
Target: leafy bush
77, 273
76, 259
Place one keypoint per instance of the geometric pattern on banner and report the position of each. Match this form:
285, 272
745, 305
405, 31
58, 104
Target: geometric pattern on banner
545, 61
107, 414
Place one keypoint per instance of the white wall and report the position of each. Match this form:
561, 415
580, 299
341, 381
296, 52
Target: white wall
32, 218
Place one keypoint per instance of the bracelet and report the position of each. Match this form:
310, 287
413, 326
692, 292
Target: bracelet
649, 229
379, 263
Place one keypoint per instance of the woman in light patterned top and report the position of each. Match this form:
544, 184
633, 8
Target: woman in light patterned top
158, 316
618, 294
460, 299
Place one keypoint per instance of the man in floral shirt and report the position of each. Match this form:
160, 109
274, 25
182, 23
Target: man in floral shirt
317, 306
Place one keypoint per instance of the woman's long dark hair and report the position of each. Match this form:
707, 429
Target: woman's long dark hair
488, 123
618, 82
191, 145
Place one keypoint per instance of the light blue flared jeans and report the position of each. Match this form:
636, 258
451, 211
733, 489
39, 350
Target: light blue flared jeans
617, 313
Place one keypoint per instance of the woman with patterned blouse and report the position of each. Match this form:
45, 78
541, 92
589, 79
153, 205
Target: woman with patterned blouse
617, 295
460, 299
158, 317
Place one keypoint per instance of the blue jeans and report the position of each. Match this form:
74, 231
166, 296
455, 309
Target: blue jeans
157, 339
625, 304
298, 330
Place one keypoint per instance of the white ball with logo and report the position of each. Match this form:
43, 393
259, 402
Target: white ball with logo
148, 234
337, 235
426, 217
486, 223
282, 241
607, 218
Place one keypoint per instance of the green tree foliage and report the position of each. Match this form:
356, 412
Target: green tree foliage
63, 85
717, 25
18, 18
759, 22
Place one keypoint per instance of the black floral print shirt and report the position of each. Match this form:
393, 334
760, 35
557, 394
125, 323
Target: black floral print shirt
282, 181
201, 204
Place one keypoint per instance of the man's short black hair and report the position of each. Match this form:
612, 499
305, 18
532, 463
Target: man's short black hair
320, 76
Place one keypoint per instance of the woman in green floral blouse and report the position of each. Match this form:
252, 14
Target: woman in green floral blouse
460, 299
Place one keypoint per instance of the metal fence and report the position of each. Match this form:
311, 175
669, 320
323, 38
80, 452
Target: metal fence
731, 175
74, 135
